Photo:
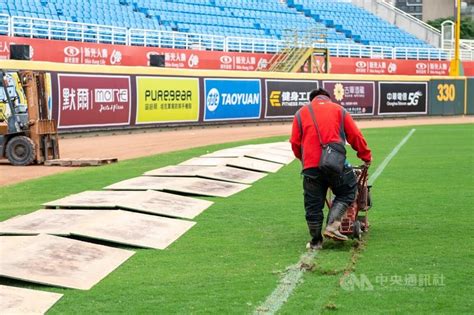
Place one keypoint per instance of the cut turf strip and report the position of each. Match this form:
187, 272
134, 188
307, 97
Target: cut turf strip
287, 284
292, 276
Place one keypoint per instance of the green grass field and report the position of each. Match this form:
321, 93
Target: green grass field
417, 257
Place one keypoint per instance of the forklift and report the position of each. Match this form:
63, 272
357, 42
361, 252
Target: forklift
27, 134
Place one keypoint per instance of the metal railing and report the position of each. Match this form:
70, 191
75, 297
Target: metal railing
357, 51
64, 30
245, 44
468, 43
410, 17
167, 39
72, 31
421, 53
5, 24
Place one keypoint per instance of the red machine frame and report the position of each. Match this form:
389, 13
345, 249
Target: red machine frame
355, 221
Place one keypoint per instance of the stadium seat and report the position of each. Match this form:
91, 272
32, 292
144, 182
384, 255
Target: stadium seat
355, 23
330, 21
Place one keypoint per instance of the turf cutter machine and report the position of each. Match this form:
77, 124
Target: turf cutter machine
355, 221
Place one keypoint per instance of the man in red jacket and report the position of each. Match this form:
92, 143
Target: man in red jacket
335, 125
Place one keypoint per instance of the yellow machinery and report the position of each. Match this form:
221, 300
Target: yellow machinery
27, 134
304, 52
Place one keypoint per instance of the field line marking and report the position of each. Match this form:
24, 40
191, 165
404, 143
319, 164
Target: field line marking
293, 273
387, 160
286, 286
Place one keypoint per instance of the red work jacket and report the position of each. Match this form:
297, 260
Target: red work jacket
304, 138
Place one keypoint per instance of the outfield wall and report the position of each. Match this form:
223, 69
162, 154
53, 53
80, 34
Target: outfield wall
87, 53
86, 97
470, 96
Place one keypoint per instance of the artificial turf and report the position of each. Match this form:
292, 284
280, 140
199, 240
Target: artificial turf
233, 258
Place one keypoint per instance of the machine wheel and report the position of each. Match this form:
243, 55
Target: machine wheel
356, 230
364, 223
21, 150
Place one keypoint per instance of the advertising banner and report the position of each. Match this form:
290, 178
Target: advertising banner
470, 97
93, 100
389, 66
167, 99
105, 54
285, 97
357, 97
231, 99
403, 98
447, 97
468, 68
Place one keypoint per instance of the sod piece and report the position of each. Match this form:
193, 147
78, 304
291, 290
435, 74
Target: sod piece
58, 261
142, 183
161, 203
25, 301
207, 161
228, 153
205, 187
177, 170
56, 222
271, 156
91, 199
255, 165
231, 174
135, 229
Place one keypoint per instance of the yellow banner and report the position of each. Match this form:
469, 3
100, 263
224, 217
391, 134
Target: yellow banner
167, 99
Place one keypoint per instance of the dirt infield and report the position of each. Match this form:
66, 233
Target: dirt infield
144, 144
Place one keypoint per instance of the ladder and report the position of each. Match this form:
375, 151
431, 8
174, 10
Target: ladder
297, 53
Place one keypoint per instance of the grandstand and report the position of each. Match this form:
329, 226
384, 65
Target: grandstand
234, 25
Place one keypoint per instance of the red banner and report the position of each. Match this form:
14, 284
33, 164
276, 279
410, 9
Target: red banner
104, 54
93, 100
468, 68
389, 66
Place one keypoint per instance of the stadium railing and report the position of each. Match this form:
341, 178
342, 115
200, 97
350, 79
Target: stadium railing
64, 30
167, 39
74, 31
5, 24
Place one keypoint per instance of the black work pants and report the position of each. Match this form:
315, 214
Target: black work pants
315, 188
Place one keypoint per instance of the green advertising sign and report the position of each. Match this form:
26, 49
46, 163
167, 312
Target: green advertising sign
470, 96
447, 96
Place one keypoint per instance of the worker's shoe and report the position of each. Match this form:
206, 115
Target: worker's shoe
315, 230
337, 212
314, 245
332, 231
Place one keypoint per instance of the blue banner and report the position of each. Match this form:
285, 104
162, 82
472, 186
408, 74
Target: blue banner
228, 99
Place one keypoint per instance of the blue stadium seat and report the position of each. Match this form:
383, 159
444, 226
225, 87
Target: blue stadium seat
356, 23
338, 22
